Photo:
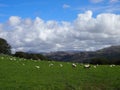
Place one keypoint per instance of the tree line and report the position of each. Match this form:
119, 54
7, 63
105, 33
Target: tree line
5, 48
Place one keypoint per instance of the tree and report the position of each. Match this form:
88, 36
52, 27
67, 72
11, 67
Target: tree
33, 56
20, 54
5, 48
100, 60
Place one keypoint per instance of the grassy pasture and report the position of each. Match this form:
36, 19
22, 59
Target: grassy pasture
20, 74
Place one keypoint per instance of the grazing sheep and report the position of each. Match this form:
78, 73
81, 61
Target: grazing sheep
61, 65
11, 59
2, 57
94, 66
74, 65
112, 65
37, 67
50, 65
14, 59
23, 64
87, 66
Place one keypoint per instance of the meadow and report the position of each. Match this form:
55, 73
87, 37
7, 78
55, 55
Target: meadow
22, 74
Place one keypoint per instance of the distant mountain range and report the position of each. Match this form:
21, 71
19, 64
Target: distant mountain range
109, 55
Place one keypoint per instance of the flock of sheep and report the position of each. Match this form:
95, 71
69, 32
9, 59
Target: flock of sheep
74, 65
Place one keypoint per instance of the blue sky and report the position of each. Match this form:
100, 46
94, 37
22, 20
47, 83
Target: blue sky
60, 25
59, 10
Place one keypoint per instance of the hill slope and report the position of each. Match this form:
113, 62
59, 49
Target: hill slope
22, 74
111, 54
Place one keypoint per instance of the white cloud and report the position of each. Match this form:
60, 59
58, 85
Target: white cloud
14, 20
66, 6
84, 33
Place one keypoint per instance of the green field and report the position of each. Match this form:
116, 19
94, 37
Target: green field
20, 74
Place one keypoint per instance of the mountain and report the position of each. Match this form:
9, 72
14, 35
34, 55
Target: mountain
109, 55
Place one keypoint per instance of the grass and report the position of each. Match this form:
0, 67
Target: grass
20, 74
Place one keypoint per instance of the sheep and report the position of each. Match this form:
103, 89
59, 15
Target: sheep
50, 65
61, 65
37, 67
94, 66
11, 59
14, 59
112, 65
87, 66
74, 65
23, 64
2, 57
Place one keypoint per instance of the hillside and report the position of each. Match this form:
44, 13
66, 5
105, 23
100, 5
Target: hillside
23, 74
111, 54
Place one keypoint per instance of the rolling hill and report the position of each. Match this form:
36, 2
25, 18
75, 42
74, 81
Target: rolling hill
110, 54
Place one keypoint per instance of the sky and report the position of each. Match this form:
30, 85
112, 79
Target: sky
52, 25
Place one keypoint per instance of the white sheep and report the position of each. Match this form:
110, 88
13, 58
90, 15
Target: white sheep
94, 66
2, 57
61, 65
14, 59
74, 65
11, 59
23, 64
50, 65
112, 65
87, 66
37, 67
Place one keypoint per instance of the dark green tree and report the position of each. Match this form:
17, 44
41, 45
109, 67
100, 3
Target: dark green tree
30, 56
100, 60
20, 54
5, 48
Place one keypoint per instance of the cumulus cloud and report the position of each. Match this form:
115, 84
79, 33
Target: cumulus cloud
84, 33
14, 20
